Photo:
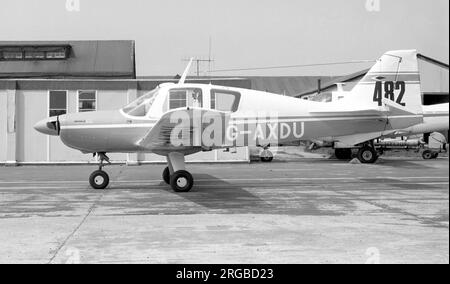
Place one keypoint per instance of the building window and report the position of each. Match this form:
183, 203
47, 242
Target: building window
57, 103
225, 100
61, 54
87, 101
34, 55
34, 52
12, 55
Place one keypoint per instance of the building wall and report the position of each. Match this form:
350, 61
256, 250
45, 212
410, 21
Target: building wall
434, 79
3, 127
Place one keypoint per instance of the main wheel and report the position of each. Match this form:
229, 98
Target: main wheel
266, 156
343, 154
427, 155
99, 179
181, 181
367, 155
166, 175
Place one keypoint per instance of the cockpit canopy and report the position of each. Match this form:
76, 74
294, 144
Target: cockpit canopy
142, 105
165, 98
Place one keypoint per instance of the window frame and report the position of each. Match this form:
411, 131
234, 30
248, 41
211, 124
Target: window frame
48, 101
236, 94
78, 100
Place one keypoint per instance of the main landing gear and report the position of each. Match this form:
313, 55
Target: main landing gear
175, 174
367, 154
343, 153
100, 179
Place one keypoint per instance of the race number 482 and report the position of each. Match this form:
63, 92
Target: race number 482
390, 90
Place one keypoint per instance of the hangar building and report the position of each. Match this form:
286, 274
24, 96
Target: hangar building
42, 79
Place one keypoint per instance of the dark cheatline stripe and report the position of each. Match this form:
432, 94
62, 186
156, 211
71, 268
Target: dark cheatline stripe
435, 114
373, 77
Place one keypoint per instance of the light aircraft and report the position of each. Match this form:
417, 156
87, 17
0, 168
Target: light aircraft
175, 120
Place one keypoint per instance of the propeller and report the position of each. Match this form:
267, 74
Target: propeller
55, 125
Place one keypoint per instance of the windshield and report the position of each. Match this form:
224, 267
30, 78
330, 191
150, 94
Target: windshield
141, 105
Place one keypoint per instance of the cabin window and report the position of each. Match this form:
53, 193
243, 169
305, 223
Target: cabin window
87, 101
179, 98
57, 103
225, 100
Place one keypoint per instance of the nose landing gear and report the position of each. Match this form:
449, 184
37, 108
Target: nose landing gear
99, 179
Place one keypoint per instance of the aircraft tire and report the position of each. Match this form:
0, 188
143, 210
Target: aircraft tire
367, 155
99, 180
181, 181
343, 154
428, 155
266, 156
166, 175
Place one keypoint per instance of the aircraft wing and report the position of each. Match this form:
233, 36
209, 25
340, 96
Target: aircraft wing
351, 140
180, 130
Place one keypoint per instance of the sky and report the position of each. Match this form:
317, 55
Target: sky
243, 33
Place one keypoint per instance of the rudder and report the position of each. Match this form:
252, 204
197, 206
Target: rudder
395, 76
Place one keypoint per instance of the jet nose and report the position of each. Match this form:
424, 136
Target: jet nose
49, 126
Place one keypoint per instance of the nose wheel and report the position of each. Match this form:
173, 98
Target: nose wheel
99, 179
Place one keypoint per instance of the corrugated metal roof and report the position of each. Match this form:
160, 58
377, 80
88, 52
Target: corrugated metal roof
289, 86
360, 74
88, 59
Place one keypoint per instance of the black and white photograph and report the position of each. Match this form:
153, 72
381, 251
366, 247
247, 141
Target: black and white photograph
222, 140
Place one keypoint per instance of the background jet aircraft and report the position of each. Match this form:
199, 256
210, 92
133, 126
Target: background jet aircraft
176, 120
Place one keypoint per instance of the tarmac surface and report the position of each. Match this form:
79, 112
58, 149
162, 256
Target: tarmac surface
306, 211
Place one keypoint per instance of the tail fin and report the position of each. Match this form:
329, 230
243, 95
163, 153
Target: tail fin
395, 77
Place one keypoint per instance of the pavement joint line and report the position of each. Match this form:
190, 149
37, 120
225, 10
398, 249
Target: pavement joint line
63, 244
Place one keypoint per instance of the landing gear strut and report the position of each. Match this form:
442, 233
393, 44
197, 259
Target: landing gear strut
99, 179
176, 175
